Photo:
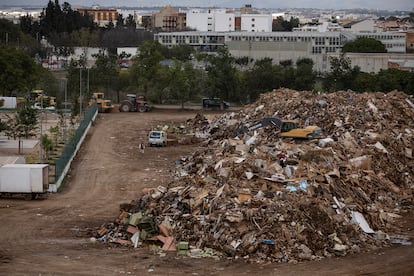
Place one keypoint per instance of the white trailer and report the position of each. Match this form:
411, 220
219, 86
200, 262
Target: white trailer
29, 180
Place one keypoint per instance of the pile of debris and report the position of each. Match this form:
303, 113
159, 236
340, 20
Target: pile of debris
253, 195
190, 132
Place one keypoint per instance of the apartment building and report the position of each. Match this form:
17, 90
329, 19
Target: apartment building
211, 20
169, 19
100, 16
256, 22
219, 20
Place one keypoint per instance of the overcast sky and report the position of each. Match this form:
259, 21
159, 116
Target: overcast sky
392, 5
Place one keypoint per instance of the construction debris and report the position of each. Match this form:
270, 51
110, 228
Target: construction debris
262, 198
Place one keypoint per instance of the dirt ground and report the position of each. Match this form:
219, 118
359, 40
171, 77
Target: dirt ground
52, 236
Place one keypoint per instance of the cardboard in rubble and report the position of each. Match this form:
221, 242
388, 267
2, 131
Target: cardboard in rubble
327, 199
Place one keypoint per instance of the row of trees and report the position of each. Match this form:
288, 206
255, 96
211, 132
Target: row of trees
169, 76
344, 76
65, 27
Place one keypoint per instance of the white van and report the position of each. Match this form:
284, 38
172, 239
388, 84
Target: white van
157, 138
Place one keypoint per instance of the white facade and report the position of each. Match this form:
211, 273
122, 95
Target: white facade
197, 20
256, 23
224, 22
211, 21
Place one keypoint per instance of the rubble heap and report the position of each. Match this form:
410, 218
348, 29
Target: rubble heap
255, 196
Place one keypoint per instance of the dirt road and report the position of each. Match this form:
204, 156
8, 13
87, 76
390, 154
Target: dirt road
51, 237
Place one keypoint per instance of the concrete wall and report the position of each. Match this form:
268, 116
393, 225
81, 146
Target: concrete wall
373, 63
279, 51
9, 102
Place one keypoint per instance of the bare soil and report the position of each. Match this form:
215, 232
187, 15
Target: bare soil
52, 236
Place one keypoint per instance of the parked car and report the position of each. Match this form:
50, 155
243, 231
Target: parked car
215, 103
157, 138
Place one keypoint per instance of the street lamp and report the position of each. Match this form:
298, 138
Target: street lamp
80, 88
65, 89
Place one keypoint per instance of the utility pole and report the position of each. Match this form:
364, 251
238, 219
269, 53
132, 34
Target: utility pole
41, 131
80, 92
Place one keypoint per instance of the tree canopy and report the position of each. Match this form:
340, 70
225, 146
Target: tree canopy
18, 72
282, 25
342, 75
364, 45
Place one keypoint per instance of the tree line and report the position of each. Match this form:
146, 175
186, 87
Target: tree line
180, 75
167, 75
63, 26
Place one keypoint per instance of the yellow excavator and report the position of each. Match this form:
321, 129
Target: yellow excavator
287, 128
104, 105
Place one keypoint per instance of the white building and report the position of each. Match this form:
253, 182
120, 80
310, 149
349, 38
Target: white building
281, 46
224, 22
256, 22
210, 21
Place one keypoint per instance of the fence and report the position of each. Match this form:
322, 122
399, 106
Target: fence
62, 164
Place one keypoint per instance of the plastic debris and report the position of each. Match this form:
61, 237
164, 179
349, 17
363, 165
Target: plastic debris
233, 194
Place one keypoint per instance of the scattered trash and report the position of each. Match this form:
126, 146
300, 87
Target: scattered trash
255, 196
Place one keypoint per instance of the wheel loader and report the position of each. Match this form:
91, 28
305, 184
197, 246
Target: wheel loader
104, 105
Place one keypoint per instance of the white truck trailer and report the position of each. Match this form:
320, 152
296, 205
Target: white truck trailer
28, 180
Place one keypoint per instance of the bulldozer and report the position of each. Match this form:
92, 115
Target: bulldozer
104, 105
134, 103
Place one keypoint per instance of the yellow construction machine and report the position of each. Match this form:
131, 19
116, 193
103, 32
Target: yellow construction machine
39, 96
104, 105
286, 128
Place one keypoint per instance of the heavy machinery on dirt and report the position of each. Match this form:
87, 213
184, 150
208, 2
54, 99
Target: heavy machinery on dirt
39, 96
104, 105
287, 128
134, 103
